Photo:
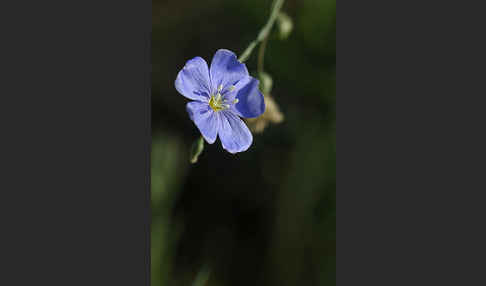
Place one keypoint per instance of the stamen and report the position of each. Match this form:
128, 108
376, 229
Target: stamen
217, 103
220, 102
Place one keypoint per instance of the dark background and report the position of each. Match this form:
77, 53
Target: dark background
261, 217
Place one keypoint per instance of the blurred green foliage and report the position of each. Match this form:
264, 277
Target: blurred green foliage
265, 216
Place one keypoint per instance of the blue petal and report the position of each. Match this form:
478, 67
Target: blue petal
250, 100
206, 120
226, 70
193, 80
233, 133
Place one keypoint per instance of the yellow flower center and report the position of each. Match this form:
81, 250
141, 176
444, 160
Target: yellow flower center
218, 103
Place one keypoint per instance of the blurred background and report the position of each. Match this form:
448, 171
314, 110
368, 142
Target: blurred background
261, 217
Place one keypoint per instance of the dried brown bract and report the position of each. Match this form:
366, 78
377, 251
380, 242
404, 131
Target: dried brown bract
272, 114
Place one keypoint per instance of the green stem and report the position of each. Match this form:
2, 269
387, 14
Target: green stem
261, 55
277, 5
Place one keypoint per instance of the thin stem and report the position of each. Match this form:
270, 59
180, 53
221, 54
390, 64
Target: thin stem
261, 55
264, 31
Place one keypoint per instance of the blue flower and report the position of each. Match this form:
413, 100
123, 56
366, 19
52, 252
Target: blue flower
222, 94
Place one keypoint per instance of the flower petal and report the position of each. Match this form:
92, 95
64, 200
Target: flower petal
193, 80
226, 70
250, 100
233, 133
206, 120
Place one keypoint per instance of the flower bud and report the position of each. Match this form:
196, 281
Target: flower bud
266, 82
196, 149
285, 25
